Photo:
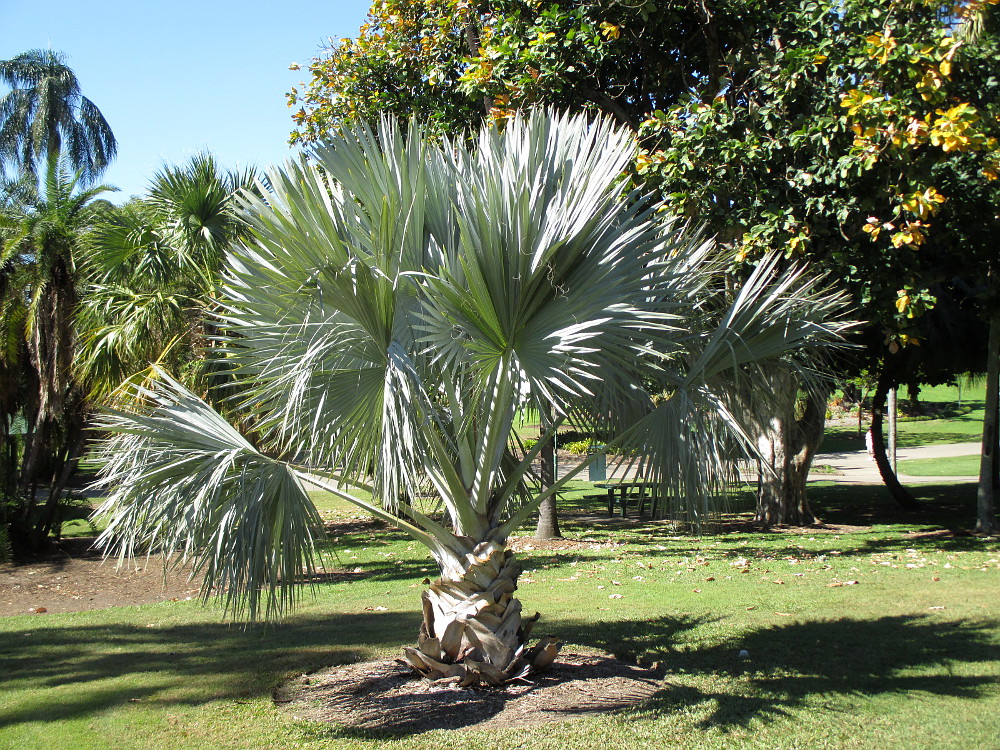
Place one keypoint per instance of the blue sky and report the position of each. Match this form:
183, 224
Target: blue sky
174, 77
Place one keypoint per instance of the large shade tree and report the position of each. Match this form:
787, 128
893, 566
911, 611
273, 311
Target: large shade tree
864, 143
925, 111
739, 107
45, 114
399, 303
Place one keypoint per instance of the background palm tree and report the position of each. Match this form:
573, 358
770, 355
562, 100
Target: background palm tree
398, 304
45, 115
14, 384
44, 224
154, 265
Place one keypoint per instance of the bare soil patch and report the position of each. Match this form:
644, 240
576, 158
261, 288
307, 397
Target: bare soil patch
529, 543
746, 524
74, 577
940, 535
388, 697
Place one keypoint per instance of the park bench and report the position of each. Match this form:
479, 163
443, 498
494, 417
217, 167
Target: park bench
618, 492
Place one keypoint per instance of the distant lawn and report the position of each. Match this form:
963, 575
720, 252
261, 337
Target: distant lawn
964, 423
953, 466
886, 636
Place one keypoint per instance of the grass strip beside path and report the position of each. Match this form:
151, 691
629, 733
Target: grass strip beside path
951, 466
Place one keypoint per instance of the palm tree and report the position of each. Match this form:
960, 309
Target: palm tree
194, 206
155, 263
44, 228
399, 302
45, 115
14, 383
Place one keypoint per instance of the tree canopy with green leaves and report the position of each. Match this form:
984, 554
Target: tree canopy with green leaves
90, 295
858, 135
44, 226
451, 62
154, 265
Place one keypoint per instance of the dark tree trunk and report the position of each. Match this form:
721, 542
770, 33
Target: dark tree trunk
472, 43
548, 519
899, 493
787, 446
49, 516
986, 520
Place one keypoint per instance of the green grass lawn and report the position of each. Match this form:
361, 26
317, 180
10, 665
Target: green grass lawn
885, 637
963, 423
951, 466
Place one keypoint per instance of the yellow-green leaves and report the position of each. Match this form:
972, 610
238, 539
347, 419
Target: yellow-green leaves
855, 101
923, 203
880, 46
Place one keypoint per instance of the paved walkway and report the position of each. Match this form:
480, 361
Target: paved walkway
854, 467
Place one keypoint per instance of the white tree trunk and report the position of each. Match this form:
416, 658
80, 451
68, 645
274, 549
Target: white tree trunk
473, 632
787, 446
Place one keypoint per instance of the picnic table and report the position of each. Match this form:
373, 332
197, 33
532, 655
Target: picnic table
619, 492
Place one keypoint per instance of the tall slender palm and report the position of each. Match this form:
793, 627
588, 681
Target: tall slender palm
398, 304
45, 115
155, 263
45, 223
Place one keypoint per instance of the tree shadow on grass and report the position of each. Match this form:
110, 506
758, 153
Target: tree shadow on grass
97, 667
790, 663
101, 666
944, 506
842, 508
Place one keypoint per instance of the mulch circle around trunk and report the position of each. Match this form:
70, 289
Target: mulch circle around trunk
388, 697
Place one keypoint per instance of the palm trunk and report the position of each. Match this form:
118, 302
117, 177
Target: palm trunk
548, 518
473, 632
51, 352
986, 520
